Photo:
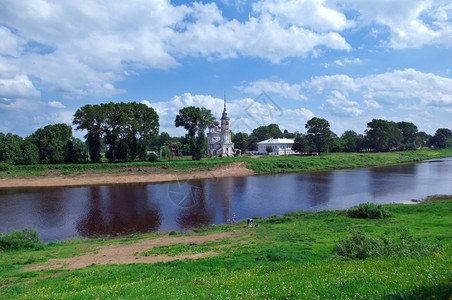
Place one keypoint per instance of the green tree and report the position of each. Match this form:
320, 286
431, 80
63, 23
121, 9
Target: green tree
349, 139
269, 149
30, 154
442, 139
262, 133
10, 148
301, 144
191, 119
51, 142
383, 135
409, 132
91, 118
319, 134
240, 141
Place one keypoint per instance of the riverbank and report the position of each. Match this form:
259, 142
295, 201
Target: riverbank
180, 170
301, 255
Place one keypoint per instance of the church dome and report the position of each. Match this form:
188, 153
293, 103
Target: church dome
216, 123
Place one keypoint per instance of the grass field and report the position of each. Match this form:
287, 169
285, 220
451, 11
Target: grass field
285, 257
263, 164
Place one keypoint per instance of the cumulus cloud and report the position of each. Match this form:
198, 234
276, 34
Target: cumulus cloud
277, 86
337, 104
55, 104
411, 23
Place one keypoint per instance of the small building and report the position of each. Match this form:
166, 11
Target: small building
280, 146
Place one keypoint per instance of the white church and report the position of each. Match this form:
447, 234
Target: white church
219, 141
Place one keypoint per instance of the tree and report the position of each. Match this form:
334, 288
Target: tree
91, 118
301, 144
240, 141
442, 139
29, 153
409, 132
319, 134
10, 148
189, 117
269, 149
383, 135
350, 141
52, 141
262, 133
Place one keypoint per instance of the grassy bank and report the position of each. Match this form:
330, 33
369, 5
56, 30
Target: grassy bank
281, 164
264, 164
290, 256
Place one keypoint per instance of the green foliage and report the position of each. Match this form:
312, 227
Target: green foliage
4, 167
368, 210
20, 239
319, 134
360, 245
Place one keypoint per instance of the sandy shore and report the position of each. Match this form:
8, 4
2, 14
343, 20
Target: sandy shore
230, 170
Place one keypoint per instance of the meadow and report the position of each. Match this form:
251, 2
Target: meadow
403, 253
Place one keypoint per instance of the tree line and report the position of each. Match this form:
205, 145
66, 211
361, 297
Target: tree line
130, 131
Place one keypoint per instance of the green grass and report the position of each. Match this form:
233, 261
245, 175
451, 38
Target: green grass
288, 256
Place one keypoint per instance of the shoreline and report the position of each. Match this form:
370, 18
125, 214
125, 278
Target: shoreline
237, 169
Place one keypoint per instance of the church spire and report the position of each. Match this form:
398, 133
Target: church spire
225, 113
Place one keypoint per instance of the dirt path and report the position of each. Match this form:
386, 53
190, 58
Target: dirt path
231, 170
127, 254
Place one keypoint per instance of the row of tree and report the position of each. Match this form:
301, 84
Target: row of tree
126, 131
124, 128
52, 144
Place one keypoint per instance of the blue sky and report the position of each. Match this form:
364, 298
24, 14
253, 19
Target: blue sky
278, 62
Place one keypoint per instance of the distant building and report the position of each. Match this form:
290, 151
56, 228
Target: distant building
281, 146
219, 141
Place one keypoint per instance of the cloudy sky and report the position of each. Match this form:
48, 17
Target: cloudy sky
278, 62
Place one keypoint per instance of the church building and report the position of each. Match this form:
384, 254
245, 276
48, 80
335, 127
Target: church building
219, 141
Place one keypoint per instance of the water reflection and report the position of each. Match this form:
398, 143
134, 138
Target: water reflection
62, 213
114, 210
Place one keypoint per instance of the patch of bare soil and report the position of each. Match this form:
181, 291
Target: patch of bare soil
131, 176
127, 253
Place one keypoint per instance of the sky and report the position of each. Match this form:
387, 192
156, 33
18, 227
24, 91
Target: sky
281, 62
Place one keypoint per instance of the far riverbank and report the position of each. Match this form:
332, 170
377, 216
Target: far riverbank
180, 170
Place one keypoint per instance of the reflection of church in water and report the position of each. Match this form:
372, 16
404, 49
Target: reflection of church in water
219, 141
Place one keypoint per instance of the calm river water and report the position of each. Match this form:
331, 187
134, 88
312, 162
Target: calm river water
64, 212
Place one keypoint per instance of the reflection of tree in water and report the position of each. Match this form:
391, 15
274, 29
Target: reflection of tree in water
318, 188
196, 215
118, 210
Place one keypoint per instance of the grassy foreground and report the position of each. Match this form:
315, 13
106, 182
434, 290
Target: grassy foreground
285, 257
263, 164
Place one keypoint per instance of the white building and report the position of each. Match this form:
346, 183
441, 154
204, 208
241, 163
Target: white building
281, 146
219, 141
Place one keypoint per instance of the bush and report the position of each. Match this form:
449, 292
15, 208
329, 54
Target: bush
20, 239
4, 167
368, 210
153, 157
360, 245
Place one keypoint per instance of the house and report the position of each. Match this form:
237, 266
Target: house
280, 146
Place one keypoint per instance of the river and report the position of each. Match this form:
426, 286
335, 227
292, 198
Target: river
59, 213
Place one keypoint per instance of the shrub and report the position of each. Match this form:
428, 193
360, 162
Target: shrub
368, 210
4, 167
153, 157
20, 239
360, 245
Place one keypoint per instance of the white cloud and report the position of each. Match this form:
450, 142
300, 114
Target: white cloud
277, 86
411, 23
337, 104
311, 14
55, 104
11, 44
344, 62
18, 86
